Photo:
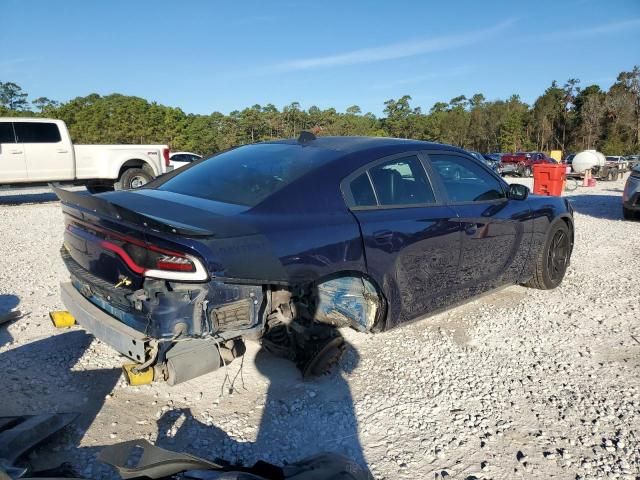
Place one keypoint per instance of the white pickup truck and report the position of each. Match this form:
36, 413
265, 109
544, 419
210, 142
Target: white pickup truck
39, 150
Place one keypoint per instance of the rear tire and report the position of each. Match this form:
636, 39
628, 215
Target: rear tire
553, 260
133, 178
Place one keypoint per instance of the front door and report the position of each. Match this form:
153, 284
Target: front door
493, 227
13, 165
412, 241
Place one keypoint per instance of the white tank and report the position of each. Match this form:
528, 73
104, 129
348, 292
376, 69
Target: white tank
586, 160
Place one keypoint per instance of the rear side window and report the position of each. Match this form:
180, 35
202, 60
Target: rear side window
362, 192
402, 182
248, 175
37, 132
6, 133
465, 180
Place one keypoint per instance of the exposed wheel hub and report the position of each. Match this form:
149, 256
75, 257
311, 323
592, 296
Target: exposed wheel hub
315, 349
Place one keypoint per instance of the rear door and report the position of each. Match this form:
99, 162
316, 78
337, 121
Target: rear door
49, 154
13, 166
411, 240
495, 234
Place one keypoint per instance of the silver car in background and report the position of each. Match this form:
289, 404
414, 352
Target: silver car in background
631, 195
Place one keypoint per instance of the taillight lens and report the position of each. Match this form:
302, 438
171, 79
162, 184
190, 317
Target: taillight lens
143, 258
165, 154
176, 264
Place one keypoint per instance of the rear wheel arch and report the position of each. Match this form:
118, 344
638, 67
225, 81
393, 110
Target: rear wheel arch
132, 173
358, 282
136, 163
343, 298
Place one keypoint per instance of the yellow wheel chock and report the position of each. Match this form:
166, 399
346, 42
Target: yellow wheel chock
62, 319
135, 376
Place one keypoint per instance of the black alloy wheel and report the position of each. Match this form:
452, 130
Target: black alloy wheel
558, 256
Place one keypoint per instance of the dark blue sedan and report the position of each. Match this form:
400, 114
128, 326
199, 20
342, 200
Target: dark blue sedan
284, 241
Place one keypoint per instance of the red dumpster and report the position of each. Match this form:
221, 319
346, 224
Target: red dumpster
548, 179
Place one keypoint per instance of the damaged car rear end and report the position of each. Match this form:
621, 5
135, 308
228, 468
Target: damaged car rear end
177, 281
149, 294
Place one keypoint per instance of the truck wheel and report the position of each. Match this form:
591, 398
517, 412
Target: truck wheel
133, 178
553, 259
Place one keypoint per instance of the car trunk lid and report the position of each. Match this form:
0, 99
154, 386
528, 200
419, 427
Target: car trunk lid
126, 236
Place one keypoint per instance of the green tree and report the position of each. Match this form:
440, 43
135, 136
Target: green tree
631, 81
44, 105
564, 117
12, 97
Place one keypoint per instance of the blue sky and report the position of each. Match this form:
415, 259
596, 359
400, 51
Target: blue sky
205, 56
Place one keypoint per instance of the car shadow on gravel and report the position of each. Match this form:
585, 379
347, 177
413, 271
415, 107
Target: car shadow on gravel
295, 422
26, 198
608, 207
39, 377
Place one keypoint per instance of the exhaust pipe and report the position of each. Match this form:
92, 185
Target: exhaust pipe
193, 358
185, 361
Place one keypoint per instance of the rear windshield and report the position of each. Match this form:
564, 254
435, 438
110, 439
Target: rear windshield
248, 175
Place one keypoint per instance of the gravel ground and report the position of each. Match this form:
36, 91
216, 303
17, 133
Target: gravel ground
519, 384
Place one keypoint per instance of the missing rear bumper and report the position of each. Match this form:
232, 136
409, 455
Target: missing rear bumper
104, 327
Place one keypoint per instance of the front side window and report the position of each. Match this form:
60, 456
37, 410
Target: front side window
37, 132
465, 180
6, 133
401, 182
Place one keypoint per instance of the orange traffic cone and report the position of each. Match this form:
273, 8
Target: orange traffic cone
587, 177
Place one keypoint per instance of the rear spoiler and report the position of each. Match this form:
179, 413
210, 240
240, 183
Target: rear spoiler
105, 208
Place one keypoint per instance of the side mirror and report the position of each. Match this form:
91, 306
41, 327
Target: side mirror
518, 192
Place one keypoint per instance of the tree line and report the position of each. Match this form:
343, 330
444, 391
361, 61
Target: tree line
565, 117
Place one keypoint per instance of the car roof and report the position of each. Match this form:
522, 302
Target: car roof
347, 145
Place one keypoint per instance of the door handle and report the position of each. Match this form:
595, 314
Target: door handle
16, 152
60, 150
383, 235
